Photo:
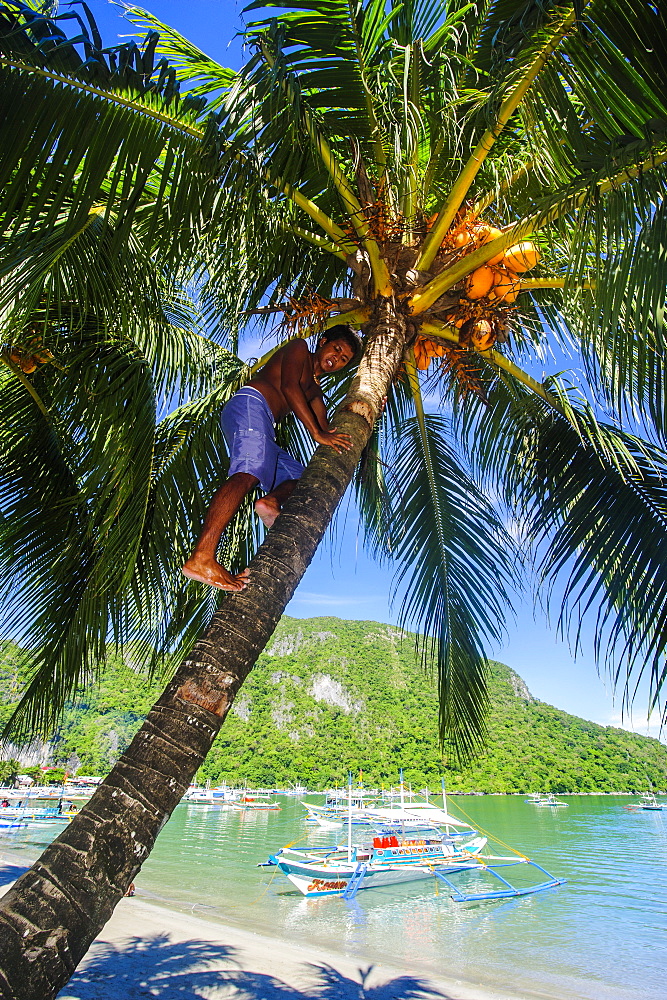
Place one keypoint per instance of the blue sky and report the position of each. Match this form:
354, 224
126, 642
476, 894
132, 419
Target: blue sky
342, 581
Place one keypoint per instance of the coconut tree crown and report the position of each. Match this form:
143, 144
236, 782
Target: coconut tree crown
498, 169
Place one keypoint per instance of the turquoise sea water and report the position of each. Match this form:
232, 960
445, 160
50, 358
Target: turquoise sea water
600, 937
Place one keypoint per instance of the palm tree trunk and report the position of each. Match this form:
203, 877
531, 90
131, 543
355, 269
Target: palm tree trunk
53, 913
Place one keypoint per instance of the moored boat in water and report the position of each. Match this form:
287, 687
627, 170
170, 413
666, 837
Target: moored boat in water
407, 815
337, 806
648, 802
551, 800
210, 796
390, 861
255, 801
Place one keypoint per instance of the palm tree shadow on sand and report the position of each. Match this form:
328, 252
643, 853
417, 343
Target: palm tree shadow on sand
158, 967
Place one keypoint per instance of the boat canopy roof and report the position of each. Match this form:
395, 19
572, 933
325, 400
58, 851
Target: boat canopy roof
423, 810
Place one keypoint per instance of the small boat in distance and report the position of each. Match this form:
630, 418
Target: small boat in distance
648, 802
255, 801
537, 799
210, 796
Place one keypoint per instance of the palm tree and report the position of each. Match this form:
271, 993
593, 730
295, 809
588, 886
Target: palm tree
403, 168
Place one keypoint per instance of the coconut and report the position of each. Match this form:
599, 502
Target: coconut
485, 235
480, 282
521, 257
422, 359
462, 238
483, 336
506, 287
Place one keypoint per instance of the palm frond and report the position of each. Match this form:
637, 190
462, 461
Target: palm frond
73, 514
97, 526
453, 563
591, 501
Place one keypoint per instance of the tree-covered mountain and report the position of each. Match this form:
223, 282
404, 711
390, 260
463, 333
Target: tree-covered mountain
330, 696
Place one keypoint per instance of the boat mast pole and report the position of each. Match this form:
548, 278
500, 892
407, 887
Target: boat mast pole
349, 817
402, 790
444, 803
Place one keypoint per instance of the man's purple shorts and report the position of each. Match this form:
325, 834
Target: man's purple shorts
247, 423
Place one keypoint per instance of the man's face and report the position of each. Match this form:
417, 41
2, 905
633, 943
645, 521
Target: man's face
334, 355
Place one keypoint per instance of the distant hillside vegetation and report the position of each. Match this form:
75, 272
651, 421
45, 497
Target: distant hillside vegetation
330, 696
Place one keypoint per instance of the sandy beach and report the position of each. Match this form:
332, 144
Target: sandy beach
151, 951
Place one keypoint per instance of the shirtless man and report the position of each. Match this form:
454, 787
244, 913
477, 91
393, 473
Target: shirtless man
288, 383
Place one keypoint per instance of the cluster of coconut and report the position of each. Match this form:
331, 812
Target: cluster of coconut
30, 355
499, 279
481, 312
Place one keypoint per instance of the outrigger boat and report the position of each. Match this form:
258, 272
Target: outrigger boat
256, 801
404, 817
210, 796
648, 802
391, 860
551, 800
413, 818
12, 824
537, 799
25, 809
336, 871
337, 807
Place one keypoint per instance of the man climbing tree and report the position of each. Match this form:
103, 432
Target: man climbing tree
288, 383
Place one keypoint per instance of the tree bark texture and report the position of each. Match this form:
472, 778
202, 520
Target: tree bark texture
55, 910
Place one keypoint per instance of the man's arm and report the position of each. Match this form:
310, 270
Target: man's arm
297, 365
320, 411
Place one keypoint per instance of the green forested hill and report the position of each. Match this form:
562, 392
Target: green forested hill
330, 696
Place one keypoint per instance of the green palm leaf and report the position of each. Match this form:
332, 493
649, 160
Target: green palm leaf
454, 566
591, 502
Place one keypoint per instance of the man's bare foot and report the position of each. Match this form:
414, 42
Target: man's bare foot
215, 575
267, 510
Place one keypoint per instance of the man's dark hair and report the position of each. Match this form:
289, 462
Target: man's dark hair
346, 333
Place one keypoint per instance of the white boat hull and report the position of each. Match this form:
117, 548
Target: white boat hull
391, 864
333, 881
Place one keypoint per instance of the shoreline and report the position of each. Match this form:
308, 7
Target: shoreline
147, 949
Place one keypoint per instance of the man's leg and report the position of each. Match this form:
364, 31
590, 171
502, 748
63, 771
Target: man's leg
268, 507
202, 564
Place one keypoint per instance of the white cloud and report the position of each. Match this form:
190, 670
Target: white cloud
643, 727
329, 600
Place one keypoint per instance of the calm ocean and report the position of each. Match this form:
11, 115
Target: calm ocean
601, 936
